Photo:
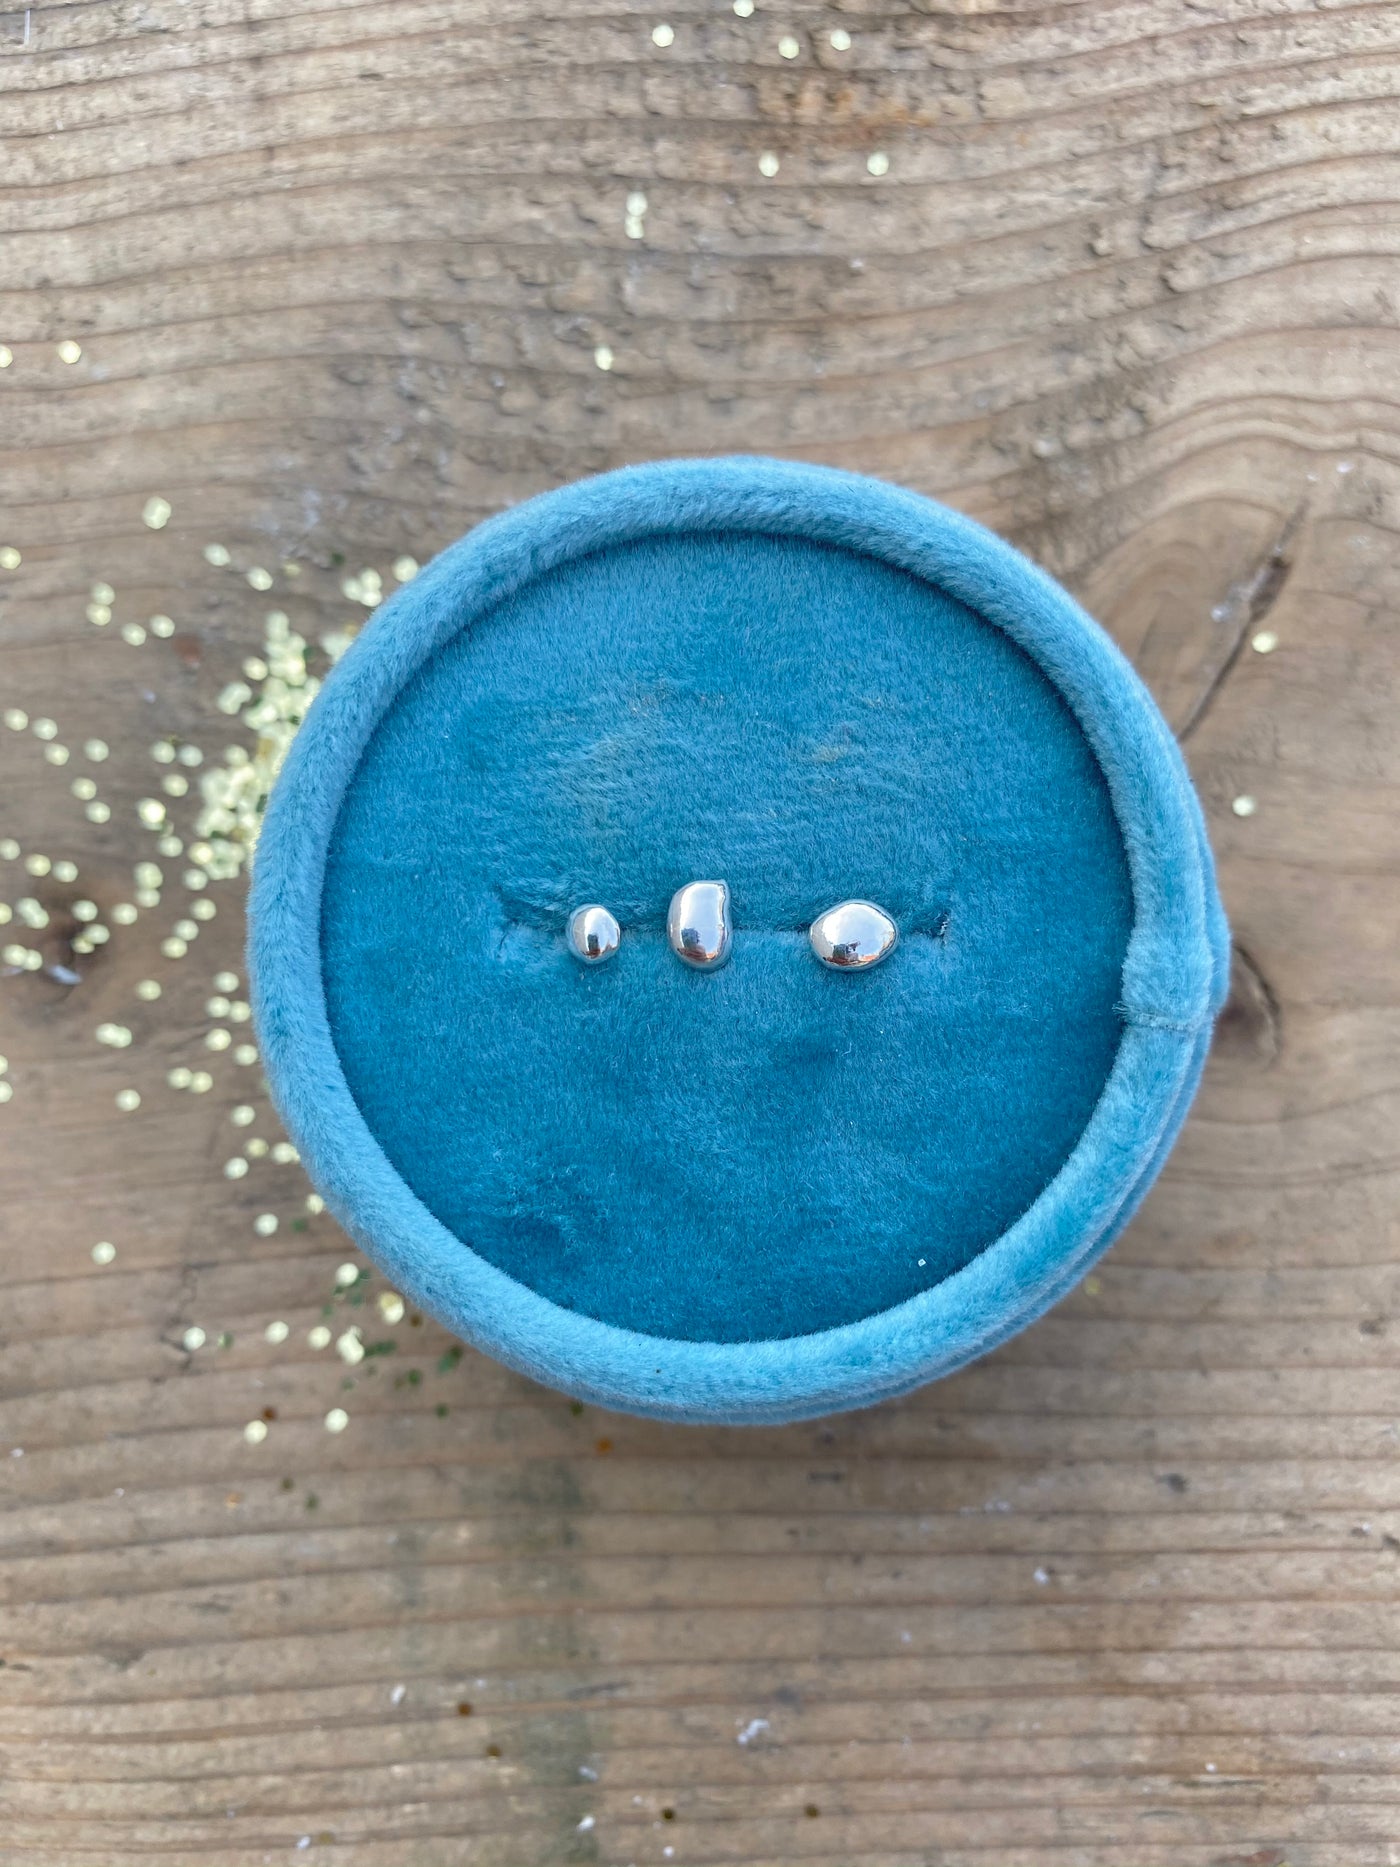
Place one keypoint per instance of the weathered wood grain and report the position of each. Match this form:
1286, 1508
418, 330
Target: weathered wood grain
1128, 1593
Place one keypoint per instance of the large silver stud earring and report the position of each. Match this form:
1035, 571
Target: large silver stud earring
698, 925
592, 934
853, 936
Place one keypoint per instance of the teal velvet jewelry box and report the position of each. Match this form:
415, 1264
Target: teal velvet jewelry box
772, 1190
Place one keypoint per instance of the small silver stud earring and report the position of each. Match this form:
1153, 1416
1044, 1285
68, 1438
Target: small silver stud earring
853, 936
698, 925
593, 934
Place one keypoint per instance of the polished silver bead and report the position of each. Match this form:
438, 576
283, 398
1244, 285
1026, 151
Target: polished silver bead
698, 924
592, 934
853, 936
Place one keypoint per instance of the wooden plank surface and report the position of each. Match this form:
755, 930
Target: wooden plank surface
1124, 1595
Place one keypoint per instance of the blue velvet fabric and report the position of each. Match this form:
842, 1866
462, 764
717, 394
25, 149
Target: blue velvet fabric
772, 1190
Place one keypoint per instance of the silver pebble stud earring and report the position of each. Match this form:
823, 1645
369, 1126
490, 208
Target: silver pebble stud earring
698, 925
592, 934
853, 936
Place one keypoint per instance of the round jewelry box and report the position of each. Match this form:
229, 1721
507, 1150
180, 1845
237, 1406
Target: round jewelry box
762, 1188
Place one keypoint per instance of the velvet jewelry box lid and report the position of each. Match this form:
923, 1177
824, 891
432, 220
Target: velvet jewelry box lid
770, 1191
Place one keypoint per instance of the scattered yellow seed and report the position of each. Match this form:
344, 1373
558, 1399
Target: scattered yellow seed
10, 558
127, 1100
179, 1077
235, 1169
98, 614
163, 752
391, 1306
349, 1347
98, 934
44, 728
124, 914
315, 1204
346, 1274
201, 1083
788, 46
768, 164
65, 871
663, 35
194, 1337
1265, 642
840, 40
7, 1091
878, 162
85, 910
1244, 806
217, 555
186, 930
102, 593
245, 1053
16, 719
148, 990
96, 750
256, 1148
603, 357
276, 1332
319, 1337
337, 1420
265, 1224
116, 1035
161, 626
103, 1252
83, 788
218, 1039
226, 982
405, 569
7, 356
255, 1432
156, 512
284, 1153
174, 948
744, 8
151, 811
68, 351
56, 754
133, 634
259, 578
98, 812
244, 1115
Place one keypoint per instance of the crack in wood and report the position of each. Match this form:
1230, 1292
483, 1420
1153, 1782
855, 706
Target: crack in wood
1251, 1025
1246, 605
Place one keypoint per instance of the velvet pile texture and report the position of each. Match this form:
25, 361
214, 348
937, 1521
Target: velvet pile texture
775, 1190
